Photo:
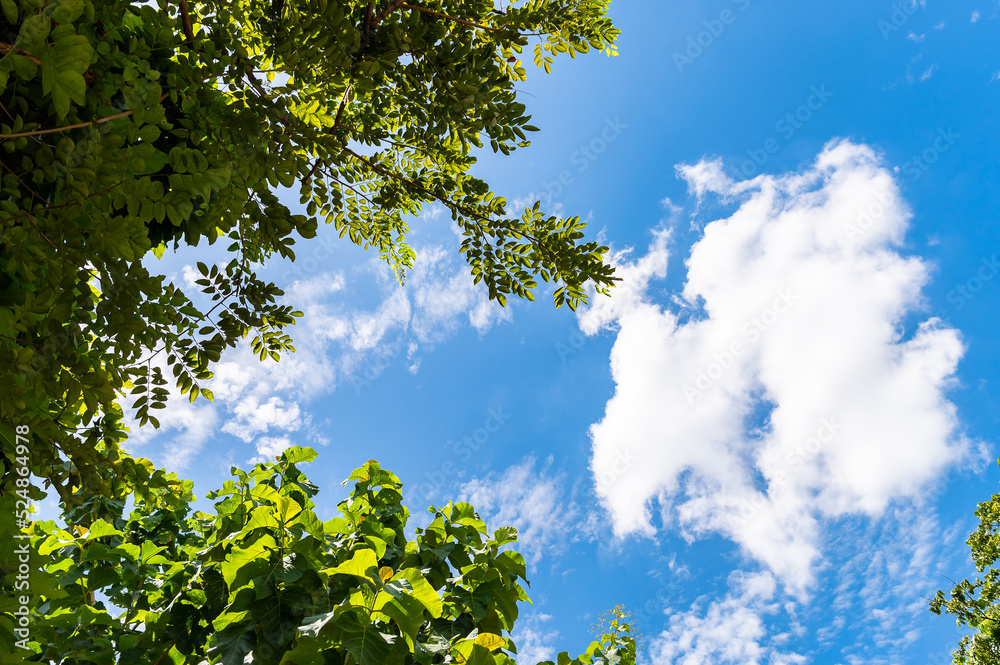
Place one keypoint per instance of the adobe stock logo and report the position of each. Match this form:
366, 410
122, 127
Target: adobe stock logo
900, 16
608, 476
786, 127
714, 28
828, 430
583, 157
752, 331
463, 450
963, 293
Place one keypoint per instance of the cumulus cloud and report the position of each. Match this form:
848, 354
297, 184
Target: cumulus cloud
796, 384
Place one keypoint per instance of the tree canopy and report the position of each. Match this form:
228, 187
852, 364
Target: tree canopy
128, 128
265, 581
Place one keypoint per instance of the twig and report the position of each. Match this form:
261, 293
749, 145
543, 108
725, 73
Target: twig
165, 653
6, 48
31, 219
39, 132
450, 18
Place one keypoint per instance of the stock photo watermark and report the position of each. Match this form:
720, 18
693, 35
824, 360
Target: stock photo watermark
571, 346
752, 331
703, 40
583, 157
22, 580
914, 169
899, 15
918, 165
961, 294
609, 476
786, 127
463, 451
804, 452
358, 380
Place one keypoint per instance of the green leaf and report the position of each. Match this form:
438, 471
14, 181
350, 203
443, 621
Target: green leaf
63, 64
285, 509
9, 10
24, 66
100, 529
421, 590
490, 641
67, 11
243, 556
359, 565
298, 455
363, 640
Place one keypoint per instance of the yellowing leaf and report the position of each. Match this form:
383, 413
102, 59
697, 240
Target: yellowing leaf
490, 641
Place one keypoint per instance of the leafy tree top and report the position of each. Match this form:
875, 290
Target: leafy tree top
975, 603
265, 581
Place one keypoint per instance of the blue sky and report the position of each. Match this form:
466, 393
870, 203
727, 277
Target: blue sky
811, 182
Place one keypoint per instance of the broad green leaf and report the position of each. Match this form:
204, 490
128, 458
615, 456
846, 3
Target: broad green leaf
421, 590
363, 640
296, 454
285, 509
363, 562
490, 641
100, 529
242, 556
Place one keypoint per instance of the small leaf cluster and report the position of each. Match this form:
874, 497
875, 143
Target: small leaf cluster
975, 603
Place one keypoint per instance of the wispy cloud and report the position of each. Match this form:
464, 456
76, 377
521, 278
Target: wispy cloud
728, 631
538, 502
338, 344
535, 638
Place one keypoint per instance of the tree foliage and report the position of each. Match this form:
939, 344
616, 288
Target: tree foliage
132, 127
265, 581
975, 603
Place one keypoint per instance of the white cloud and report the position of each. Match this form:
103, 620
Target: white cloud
537, 503
728, 631
336, 343
801, 313
975, 16
884, 575
268, 448
252, 417
534, 640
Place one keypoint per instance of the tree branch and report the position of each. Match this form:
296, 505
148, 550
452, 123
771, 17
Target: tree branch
39, 132
186, 22
450, 18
